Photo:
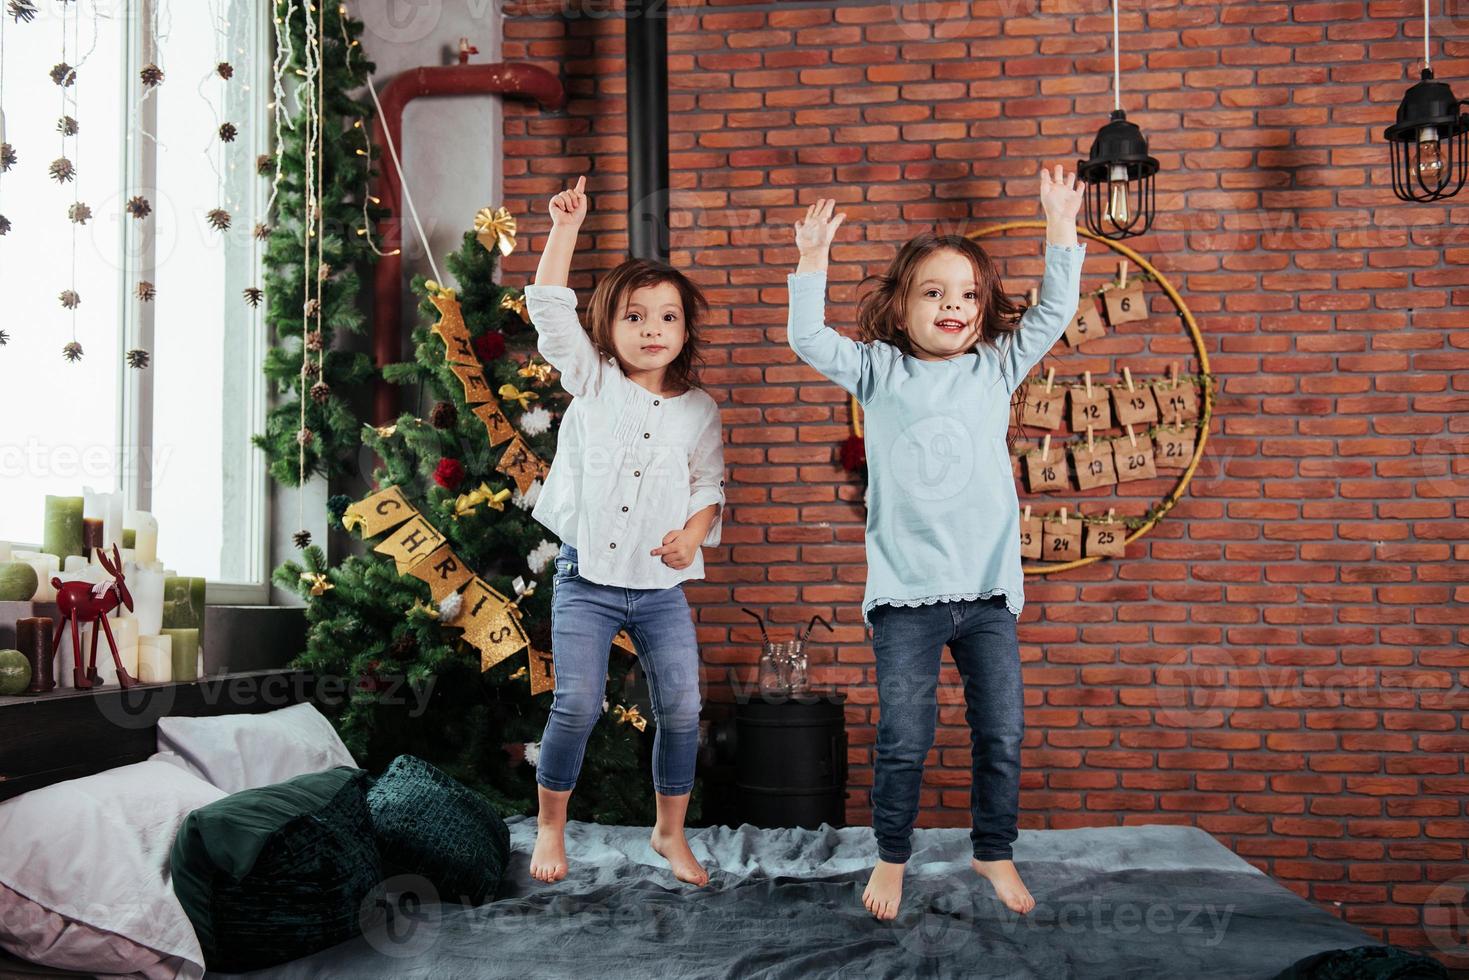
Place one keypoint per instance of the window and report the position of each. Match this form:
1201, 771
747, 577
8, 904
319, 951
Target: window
175, 436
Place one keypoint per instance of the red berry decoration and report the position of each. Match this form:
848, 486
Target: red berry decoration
854, 454
490, 346
449, 473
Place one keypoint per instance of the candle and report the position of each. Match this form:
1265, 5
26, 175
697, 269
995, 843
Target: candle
33, 638
111, 520
4, 550
185, 653
94, 511
183, 604
146, 586
125, 634
91, 534
62, 533
76, 564
129, 537
145, 531
155, 659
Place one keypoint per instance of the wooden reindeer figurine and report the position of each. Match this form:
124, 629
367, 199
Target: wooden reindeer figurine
92, 602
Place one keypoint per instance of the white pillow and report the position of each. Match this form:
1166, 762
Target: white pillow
94, 852
239, 752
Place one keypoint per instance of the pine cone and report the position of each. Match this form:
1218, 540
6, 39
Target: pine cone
219, 219
61, 170
225, 70
320, 392
151, 75
137, 358
8, 158
138, 206
63, 74
4, 338
264, 164
301, 539
228, 132
4, 225
23, 10
444, 415
72, 351
146, 291
403, 648
262, 230
66, 126
78, 213
304, 437
312, 370
313, 307
70, 299
314, 341
253, 295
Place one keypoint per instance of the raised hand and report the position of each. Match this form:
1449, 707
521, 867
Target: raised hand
815, 232
569, 208
1060, 195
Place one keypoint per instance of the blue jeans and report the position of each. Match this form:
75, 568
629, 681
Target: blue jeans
585, 617
907, 642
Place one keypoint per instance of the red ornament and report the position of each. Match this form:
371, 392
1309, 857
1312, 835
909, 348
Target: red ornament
449, 473
80, 601
490, 345
854, 454
370, 681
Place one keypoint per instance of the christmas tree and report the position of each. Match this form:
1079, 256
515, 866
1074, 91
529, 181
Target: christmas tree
417, 685
297, 260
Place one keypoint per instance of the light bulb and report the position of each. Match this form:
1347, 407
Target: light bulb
1117, 209
1430, 158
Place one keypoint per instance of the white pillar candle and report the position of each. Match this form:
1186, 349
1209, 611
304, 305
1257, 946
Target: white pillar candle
74, 564
4, 551
111, 521
146, 586
145, 540
155, 659
125, 632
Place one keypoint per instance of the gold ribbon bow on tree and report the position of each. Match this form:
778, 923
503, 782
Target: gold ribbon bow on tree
495, 229
537, 371
466, 503
319, 582
630, 716
512, 394
515, 302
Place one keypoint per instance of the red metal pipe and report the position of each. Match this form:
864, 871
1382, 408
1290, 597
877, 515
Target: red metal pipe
505, 79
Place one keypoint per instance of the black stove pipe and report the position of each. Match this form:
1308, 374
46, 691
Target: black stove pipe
647, 131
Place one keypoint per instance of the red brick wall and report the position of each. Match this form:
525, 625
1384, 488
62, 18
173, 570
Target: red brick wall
1306, 590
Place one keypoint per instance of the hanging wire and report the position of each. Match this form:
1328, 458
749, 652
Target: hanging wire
403, 182
1117, 62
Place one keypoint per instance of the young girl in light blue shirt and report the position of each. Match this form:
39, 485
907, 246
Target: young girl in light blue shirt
943, 351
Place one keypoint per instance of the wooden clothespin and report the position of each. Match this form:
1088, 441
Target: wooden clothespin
1063, 516
1089, 447
1046, 448
1122, 274
1050, 377
1173, 374
1088, 376
1025, 514
1110, 512
1131, 435
1033, 295
1127, 376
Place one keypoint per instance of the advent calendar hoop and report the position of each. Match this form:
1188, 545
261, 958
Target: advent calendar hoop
1205, 385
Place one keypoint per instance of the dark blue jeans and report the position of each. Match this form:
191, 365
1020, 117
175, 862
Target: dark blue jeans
585, 616
907, 642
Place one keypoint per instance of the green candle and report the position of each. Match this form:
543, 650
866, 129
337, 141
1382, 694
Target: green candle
62, 534
129, 537
185, 649
183, 604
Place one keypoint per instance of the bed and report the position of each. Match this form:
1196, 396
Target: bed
1143, 901
1139, 901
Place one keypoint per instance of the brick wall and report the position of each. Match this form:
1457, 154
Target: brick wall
1281, 661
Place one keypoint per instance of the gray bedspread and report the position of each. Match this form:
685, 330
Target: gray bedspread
1144, 901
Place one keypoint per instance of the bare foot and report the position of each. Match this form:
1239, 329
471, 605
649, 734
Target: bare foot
548, 861
884, 890
1008, 886
674, 848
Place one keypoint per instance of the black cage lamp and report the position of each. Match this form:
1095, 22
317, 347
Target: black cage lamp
1429, 141
1118, 171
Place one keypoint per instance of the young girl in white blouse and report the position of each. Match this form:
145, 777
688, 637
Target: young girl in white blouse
636, 488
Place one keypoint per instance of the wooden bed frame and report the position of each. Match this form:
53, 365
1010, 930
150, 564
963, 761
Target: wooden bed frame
66, 733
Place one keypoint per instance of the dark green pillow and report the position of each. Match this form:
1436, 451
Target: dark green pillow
428, 824
278, 872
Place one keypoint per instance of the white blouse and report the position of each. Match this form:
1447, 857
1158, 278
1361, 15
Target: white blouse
630, 466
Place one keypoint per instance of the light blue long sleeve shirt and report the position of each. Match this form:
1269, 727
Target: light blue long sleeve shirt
943, 518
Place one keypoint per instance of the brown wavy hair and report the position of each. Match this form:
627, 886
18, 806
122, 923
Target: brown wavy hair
611, 294
882, 312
